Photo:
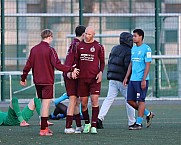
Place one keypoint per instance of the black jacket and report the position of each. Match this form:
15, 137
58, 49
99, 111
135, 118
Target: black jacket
120, 57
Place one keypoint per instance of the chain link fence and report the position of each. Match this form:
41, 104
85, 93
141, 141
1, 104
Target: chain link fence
23, 20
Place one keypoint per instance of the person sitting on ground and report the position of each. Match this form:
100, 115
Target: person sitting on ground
15, 116
60, 110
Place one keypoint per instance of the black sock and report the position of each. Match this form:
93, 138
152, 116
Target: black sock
60, 109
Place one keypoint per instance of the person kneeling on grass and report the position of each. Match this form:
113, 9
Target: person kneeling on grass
60, 111
15, 116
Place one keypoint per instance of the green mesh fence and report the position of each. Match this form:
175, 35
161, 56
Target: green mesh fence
24, 20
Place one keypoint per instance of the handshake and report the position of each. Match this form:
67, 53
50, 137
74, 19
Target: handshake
74, 74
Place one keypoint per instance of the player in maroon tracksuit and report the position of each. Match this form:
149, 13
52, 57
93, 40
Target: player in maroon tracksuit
71, 85
90, 60
42, 60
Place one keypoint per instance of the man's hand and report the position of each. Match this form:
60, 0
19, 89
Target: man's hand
75, 73
143, 84
74, 65
125, 81
69, 75
23, 83
99, 77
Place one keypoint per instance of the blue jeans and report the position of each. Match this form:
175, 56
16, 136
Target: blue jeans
114, 88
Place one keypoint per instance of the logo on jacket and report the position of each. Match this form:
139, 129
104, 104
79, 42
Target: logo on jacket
92, 49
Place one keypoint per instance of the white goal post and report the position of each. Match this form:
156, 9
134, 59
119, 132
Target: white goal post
18, 73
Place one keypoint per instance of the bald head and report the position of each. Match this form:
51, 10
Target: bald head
90, 29
89, 34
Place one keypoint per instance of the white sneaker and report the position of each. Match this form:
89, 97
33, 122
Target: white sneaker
79, 129
87, 128
93, 130
69, 130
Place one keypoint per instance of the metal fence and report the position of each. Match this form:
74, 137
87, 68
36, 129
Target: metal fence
23, 20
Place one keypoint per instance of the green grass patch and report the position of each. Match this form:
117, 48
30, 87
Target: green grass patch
165, 129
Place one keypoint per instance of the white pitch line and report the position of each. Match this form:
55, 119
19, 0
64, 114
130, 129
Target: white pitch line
152, 123
15, 92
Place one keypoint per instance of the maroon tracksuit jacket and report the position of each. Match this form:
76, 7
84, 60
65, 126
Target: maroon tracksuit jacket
90, 59
70, 58
43, 59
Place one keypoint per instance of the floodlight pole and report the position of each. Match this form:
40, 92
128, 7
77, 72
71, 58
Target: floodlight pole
72, 19
17, 35
130, 19
100, 20
179, 59
157, 33
2, 50
80, 12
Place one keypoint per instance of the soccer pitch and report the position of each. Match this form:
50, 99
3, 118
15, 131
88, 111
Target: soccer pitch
165, 129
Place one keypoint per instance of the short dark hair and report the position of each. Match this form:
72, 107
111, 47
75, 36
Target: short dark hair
46, 33
140, 32
79, 30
